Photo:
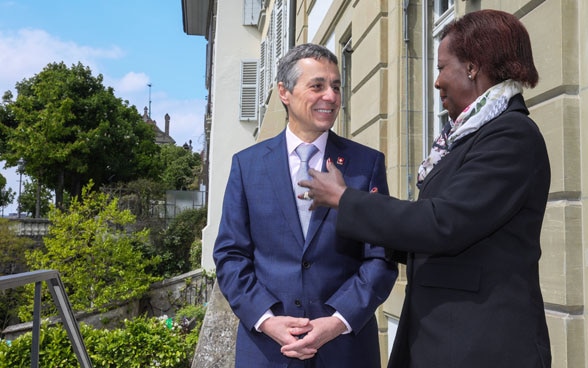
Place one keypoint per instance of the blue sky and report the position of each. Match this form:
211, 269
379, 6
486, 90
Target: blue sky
132, 43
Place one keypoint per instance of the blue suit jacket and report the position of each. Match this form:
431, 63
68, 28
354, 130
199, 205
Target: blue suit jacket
263, 261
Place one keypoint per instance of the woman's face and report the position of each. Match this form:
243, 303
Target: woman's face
456, 90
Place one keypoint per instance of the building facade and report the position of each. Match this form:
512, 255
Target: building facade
387, 52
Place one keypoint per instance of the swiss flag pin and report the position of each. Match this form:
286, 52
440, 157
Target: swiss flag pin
340, 160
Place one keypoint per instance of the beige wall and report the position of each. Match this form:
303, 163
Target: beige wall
554, 26
386, 117
228, 134
387, 113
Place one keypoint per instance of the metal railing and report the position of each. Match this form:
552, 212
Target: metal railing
61, 302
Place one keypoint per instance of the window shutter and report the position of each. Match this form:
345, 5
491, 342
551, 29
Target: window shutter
279, 28
248, 100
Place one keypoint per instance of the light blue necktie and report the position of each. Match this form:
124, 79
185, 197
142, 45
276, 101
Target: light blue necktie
305, 152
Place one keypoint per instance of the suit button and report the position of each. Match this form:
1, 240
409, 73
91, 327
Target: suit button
297, 302
306, 264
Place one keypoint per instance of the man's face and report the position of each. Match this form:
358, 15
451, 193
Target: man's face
314, 102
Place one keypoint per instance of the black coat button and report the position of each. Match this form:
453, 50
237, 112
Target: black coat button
306, 264
297, 302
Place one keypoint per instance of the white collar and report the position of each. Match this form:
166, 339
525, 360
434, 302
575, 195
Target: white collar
292, 141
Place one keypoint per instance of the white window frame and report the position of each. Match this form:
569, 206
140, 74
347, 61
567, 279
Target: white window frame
251, 12
441, 18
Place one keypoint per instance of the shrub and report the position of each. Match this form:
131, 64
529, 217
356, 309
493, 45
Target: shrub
96, 257
179, 238
142, 342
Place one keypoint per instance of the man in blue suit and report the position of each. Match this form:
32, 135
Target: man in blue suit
304, 296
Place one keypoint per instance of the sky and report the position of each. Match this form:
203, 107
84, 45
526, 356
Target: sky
132, 43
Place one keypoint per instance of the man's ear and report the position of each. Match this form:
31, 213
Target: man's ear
283, 92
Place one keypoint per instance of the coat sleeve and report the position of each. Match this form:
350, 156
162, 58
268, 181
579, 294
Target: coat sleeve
358, 298
233, 255
491, 182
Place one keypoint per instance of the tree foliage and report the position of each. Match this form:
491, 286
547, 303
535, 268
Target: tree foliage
7, 119
182, 168
70, 129
95, 254
6, 194
28, 199
12, 260
178, 240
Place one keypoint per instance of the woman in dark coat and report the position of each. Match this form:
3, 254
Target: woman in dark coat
471, 240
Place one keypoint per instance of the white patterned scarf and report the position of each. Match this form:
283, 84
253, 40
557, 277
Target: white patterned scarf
485, 108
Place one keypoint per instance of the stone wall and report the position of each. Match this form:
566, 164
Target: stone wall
216, 343
164, 298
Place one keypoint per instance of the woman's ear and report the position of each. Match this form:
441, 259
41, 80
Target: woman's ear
473, 70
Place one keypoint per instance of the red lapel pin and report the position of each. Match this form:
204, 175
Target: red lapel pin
340, 160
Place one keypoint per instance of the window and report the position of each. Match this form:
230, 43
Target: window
251, 12
444, 13
273, 47
248, 99
442, 7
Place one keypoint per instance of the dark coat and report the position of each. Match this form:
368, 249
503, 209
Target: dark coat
263, 261
473, 298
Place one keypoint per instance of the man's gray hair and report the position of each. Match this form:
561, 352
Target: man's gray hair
288, 70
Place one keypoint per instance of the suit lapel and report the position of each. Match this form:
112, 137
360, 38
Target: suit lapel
278, 169
334, 150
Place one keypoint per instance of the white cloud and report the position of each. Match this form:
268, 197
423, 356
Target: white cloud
27, 51
131, 82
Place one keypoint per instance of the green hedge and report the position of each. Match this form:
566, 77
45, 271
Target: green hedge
142, 342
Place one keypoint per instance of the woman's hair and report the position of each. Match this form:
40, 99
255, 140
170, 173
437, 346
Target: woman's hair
288, 70
495, 41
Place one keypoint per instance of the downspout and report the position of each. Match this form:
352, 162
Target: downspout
292, 24
425, 51
407, 97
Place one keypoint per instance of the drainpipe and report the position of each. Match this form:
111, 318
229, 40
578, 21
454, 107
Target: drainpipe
407, 79
292, 24
425, 51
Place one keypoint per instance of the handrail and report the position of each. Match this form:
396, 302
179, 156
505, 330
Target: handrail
63, 306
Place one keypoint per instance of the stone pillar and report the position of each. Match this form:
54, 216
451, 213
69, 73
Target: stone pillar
216, 344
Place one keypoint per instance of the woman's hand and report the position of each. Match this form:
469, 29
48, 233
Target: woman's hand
325, 188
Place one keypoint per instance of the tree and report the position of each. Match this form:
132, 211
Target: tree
6, 194
97, 257
182, 168
70, 129
35, 195
179, 239
8, 122
7, 119
12, 260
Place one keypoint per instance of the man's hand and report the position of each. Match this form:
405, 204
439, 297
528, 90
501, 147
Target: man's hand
323, 330
285, 330
325, 189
